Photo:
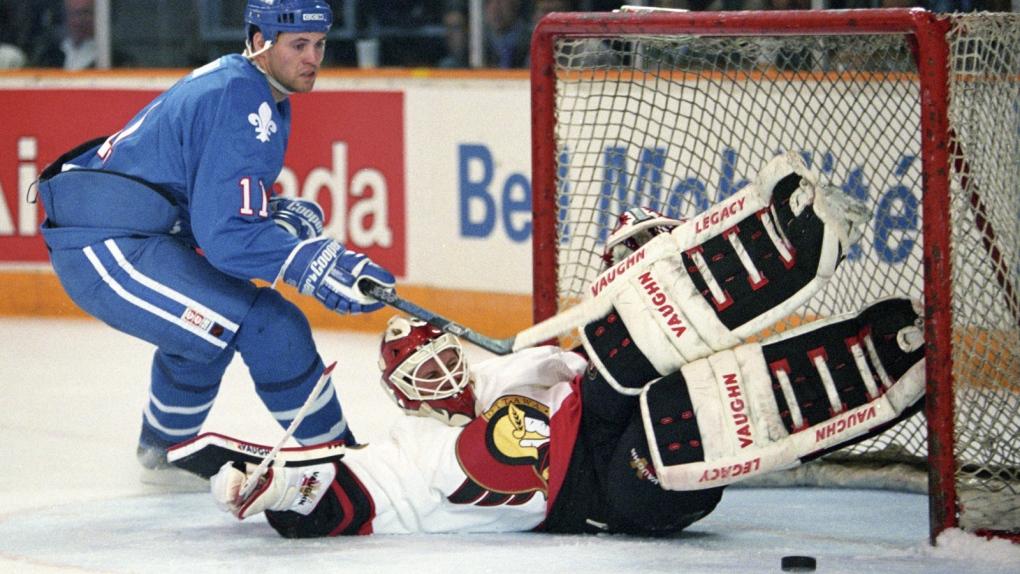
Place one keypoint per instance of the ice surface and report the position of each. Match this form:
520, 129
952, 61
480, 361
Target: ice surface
71, 394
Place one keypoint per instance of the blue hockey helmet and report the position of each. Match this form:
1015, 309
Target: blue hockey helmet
275, 16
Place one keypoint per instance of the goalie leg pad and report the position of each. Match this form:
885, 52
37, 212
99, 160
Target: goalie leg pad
612, 350
723, 276
770, 406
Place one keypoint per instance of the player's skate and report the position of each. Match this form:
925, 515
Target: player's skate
720, 277
770, 406
157, 472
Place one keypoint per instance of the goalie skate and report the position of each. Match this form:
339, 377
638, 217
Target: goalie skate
721, 277
770, 406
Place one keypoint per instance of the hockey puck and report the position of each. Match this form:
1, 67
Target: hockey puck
798, 563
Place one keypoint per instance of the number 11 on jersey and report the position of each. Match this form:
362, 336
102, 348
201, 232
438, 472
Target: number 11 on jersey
246, 208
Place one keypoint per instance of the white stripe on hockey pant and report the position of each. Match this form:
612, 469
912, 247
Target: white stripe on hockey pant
151, 420
828, 383
887, 381
791, 399
164, 408
325, 396
862, 367
166, 291
328, 436
145, 305
778, 239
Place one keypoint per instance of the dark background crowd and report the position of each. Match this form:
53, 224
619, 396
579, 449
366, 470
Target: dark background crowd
401, 33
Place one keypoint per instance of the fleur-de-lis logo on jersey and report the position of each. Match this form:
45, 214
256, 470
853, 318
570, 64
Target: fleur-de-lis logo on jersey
263, 122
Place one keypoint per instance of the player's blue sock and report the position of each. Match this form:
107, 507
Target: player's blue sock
276, 343
324, 421
181, 395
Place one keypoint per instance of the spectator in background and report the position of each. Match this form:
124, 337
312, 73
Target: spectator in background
79, 42
507, 34
71, 46
24, 25
455, 38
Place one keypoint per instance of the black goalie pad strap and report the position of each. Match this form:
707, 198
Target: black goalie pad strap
672, 420
611, 342
832, 342
746, 298
884, 320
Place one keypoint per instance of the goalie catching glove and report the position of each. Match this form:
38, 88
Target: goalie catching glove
770, 406
714, 280
322, 268
282, 488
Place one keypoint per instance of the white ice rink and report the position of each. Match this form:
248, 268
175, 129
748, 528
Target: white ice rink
71, 394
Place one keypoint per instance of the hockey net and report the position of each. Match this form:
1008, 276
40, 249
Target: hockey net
914, 114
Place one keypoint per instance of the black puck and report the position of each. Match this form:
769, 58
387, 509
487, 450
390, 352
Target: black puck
798, 563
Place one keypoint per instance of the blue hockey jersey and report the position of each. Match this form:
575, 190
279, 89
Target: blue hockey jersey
215, 141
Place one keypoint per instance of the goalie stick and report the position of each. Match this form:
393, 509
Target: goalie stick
254, 477
552, 327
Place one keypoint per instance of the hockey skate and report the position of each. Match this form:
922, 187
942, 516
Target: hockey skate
159, 473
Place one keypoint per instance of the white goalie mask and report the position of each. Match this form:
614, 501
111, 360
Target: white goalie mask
425, 372
634, 228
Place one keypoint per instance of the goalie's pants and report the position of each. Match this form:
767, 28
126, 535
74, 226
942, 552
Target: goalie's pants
158, 289
610, 483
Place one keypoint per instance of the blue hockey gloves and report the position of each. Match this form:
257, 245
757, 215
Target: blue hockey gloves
301, 218
325, 270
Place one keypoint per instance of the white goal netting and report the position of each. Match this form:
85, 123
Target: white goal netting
676, 122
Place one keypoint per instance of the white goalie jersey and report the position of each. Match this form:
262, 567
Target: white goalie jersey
496, 474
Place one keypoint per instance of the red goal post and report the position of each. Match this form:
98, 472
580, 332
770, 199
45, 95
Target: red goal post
916, 114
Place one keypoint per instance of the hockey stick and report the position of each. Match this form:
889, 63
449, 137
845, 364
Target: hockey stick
552, 327
254, 477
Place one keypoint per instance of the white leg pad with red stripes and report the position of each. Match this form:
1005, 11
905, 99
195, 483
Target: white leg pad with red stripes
764, 407
720, 277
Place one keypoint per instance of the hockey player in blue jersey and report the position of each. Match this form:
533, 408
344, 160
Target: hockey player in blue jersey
159, 229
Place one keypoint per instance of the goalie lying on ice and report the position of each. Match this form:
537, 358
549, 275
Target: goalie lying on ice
550, 440
550, 446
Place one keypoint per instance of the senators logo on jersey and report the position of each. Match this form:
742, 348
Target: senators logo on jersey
505, 454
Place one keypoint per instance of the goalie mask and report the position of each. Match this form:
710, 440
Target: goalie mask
634, 228
424, 371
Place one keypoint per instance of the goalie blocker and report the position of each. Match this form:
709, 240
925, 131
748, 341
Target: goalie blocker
763, 407
716, 279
